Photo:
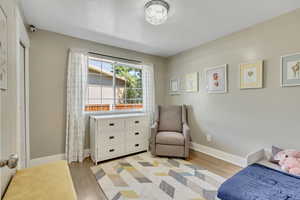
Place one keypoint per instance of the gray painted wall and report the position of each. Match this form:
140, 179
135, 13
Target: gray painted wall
48, 67
242, 121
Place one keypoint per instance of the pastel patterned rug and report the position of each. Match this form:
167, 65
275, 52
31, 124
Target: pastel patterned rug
145, 177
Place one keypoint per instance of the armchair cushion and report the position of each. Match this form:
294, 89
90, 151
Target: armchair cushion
170, 138
170, 118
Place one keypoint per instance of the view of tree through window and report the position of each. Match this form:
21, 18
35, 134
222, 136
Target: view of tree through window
113, 86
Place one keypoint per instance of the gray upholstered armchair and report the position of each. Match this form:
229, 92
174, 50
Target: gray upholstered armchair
170, 134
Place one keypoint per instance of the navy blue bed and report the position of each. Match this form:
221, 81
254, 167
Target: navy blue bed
258, 182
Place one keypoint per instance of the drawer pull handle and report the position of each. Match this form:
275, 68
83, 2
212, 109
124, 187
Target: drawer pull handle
136, 145
137, 133
111, 150
111, 124
111, 137
137, 122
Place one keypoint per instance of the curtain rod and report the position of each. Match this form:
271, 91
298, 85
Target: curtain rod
125, 59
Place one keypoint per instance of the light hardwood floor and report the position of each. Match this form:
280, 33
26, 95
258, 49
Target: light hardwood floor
88, 189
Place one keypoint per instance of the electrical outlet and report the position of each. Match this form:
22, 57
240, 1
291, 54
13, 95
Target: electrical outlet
209, 138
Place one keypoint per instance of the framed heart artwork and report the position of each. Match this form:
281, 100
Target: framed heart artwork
251, 75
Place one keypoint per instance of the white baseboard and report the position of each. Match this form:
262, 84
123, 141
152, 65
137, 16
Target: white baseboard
52, 158
237, 160
46, 159
234, 159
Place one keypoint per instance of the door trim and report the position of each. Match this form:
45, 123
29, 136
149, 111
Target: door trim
23, 38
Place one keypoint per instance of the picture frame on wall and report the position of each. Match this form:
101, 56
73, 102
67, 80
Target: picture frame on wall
3, 50
216, 79
174, 86
189, 83
251, 75
290, 70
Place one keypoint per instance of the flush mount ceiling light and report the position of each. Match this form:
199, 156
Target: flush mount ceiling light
156, 11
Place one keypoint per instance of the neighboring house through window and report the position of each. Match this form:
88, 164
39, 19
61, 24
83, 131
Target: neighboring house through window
113, 86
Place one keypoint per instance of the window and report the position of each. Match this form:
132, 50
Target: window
113, 86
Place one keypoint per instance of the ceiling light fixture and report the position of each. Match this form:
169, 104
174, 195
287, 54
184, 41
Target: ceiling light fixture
156, 11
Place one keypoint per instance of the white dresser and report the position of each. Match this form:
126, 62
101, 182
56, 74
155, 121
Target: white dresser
117, 135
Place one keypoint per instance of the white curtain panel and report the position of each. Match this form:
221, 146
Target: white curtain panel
76, 96
148, 90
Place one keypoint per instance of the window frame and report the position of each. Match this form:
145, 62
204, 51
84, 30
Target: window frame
114, 63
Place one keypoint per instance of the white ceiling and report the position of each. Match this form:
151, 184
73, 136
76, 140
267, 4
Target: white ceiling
121, 22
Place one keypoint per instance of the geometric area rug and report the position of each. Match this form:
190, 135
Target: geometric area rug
145, 177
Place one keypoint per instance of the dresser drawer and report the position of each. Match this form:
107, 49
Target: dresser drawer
111, 151
112, 138
111, 125
136, 134
136, 146
136, 122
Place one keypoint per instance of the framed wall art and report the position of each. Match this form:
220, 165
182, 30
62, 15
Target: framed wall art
216, 79
189, 82
251, 75
290, 70
174, 87
3, 50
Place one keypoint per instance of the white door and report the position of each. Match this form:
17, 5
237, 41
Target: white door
23, 150
8, 98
